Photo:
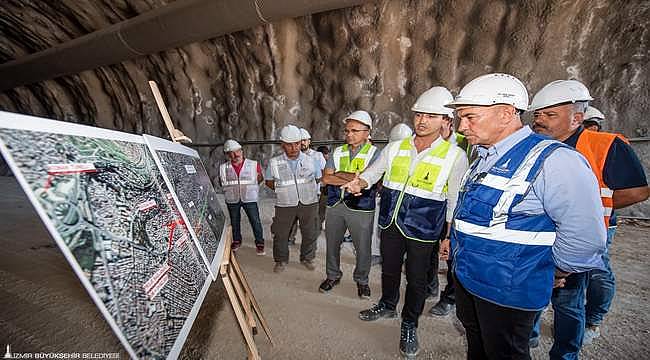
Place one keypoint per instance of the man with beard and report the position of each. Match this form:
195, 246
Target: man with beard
422, 174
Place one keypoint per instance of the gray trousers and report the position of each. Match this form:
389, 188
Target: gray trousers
309, 229
338, 219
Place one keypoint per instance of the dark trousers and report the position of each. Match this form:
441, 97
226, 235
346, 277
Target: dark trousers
284, 217
493, 331
418, 260
448, 295
253, 214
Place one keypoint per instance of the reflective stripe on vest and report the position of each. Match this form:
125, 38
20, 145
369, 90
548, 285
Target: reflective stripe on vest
424, 191
242, 187
595, 147
500, 255
291, 188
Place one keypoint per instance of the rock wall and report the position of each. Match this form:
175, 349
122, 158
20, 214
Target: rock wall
313, 70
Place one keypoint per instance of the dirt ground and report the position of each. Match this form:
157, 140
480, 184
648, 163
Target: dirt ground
43, 307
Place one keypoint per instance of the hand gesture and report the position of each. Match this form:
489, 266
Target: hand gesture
354, 186
443, 252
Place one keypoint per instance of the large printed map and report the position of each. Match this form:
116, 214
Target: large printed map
103, 199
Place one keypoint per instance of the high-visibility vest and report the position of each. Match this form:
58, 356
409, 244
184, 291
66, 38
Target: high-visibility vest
290, 188
500, 255
595, 147
417, 203
342, 163
242, 187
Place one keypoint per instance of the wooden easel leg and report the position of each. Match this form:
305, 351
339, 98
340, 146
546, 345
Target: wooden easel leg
243, 297
243, 325
256, 307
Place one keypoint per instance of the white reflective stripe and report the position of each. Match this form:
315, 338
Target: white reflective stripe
517, 185
404, 153
303, 180
227, 183
445, 171
606, 192
247, 182
393, 185
284, 183
434, 160
499, 232
425, 194
607, 211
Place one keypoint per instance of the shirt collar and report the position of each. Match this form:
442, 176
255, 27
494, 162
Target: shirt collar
573, 139
435, 142
301, 155
506, 144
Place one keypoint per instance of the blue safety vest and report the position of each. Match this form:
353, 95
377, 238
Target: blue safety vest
500, 255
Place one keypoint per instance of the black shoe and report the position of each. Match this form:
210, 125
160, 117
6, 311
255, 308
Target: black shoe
328, 285
442, 308
363, 291
408, 340
376, 312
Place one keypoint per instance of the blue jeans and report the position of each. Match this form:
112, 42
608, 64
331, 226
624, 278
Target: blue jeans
568, 319
253, 214
601, 287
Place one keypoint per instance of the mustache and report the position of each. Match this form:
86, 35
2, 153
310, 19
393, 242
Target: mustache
538, 125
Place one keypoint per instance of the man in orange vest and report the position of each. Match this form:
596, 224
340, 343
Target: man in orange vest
558, 111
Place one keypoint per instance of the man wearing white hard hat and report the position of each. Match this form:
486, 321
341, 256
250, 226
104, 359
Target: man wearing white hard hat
420, 188
294, 177
558, 111
513, 236
305, 143
593, 119
240, 179
346, 212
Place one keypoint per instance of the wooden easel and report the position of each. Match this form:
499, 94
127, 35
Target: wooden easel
239, 292
242, 299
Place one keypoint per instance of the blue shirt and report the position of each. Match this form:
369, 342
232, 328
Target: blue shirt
293, 164
567, 190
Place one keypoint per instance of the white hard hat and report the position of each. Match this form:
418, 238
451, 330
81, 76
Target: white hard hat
304, 134
231, 145
400, 132
433, 101
492, 89
290, 134
594, 114
560, 92
360, 116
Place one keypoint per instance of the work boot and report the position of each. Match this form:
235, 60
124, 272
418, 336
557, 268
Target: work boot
441, 308
592, 332
279, 267
309, 264
260, 250
363, 290
376, 312
408, 340
328, 285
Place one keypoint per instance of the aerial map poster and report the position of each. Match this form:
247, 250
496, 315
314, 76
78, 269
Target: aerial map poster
103, 199
195, 196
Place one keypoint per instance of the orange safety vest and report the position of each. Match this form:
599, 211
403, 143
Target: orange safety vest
595, 147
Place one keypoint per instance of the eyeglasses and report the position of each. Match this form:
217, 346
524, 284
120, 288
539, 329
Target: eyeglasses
353, 131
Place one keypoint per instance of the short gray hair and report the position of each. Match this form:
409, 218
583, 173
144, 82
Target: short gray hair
580, 106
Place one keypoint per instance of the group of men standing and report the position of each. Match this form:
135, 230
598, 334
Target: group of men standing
517, 231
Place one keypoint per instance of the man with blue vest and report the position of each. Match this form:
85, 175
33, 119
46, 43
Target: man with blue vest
521, 225
346, 211
558, 111
294, 177
421, 177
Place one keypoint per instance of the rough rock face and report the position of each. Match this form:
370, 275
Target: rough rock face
313, 70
